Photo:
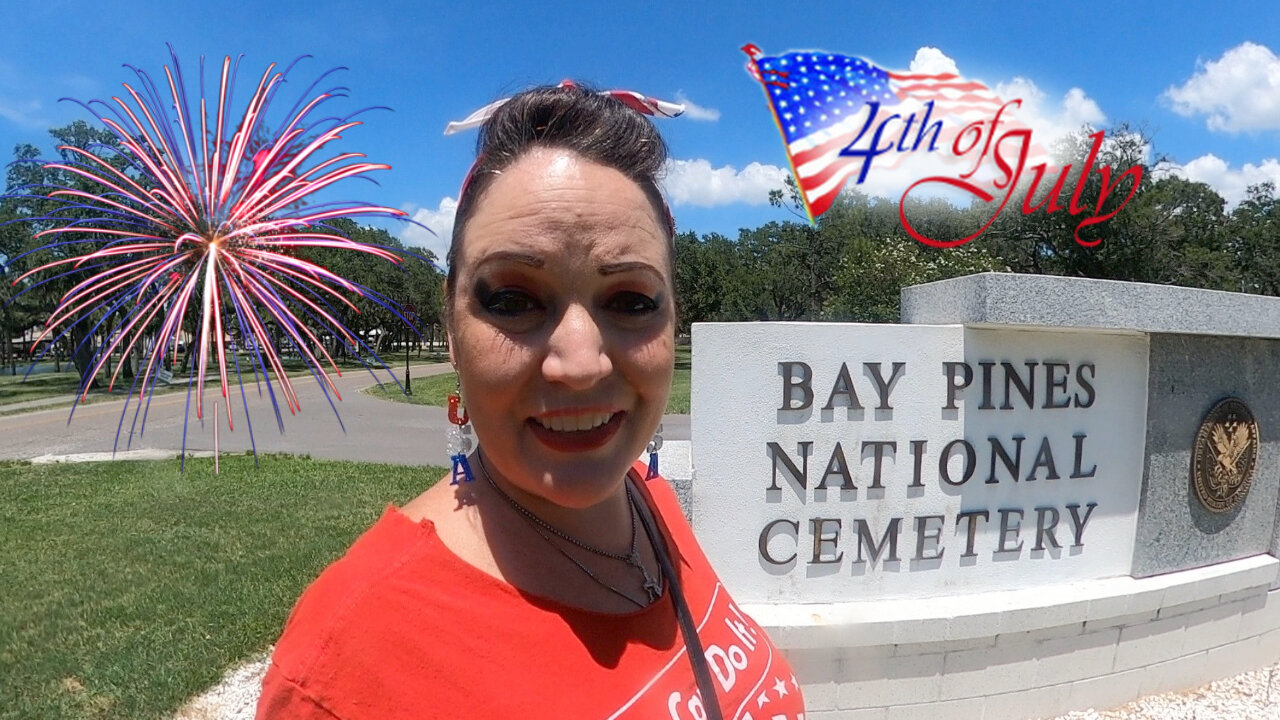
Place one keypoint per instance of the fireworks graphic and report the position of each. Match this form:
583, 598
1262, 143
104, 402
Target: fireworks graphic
204, 215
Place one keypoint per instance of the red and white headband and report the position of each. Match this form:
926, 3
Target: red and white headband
640, 103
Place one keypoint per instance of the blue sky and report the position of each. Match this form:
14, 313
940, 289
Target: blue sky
1202, 80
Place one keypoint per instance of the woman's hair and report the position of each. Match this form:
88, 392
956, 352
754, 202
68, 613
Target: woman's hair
597, 127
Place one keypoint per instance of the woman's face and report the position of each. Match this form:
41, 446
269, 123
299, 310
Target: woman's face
562, 326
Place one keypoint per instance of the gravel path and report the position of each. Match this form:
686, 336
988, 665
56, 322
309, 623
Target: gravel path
1250, 696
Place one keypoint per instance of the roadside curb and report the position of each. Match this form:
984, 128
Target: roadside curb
148, 454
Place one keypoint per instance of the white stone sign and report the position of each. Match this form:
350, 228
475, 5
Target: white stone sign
841, 462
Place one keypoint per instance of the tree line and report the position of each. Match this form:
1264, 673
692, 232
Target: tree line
27, 209
851, 264
848, 266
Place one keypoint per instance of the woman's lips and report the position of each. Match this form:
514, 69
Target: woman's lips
576, 440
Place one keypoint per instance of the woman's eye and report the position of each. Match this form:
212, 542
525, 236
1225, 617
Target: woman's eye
632, 303
509, 303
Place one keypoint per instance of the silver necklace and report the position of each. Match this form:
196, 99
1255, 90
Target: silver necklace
652, 585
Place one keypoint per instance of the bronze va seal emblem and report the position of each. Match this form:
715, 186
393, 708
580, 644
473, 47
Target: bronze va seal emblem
1225, 453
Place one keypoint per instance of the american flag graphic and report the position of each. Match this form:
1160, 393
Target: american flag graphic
821, 102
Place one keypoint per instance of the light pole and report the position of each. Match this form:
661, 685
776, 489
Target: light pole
410, 314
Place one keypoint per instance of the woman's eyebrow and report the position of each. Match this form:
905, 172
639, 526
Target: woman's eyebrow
513, 256
618, 267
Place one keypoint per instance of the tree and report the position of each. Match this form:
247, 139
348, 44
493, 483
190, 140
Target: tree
1169, 232
20, 209
706, 272
12, 317
32, 186
878, 258
29, 198
414, 282
1252, 241
785, 272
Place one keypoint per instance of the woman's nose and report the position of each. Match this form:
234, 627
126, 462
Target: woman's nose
576, 353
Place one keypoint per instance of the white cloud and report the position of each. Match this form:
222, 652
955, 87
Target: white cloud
1239, 91
440, 220
22, 112
694, 111
695, 182
932, 60
1230, 183
1050, 120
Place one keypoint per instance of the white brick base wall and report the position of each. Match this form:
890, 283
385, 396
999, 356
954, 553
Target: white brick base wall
1030, 654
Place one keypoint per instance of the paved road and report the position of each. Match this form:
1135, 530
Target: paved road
376, 430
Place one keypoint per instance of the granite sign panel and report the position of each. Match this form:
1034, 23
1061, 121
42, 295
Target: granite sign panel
841, 461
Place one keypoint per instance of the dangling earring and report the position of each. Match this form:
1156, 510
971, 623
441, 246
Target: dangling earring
459, 437
654, 446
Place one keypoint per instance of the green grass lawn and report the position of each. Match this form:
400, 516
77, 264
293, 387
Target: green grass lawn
14, 390
434, 389
129, 587
427, 390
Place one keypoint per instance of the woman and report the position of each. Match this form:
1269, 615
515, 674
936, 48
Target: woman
562, 582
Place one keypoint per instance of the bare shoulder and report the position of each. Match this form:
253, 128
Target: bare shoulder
453, 512
439, 503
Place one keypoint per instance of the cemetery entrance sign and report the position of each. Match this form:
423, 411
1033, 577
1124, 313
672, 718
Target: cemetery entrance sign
921, 460
990, 509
